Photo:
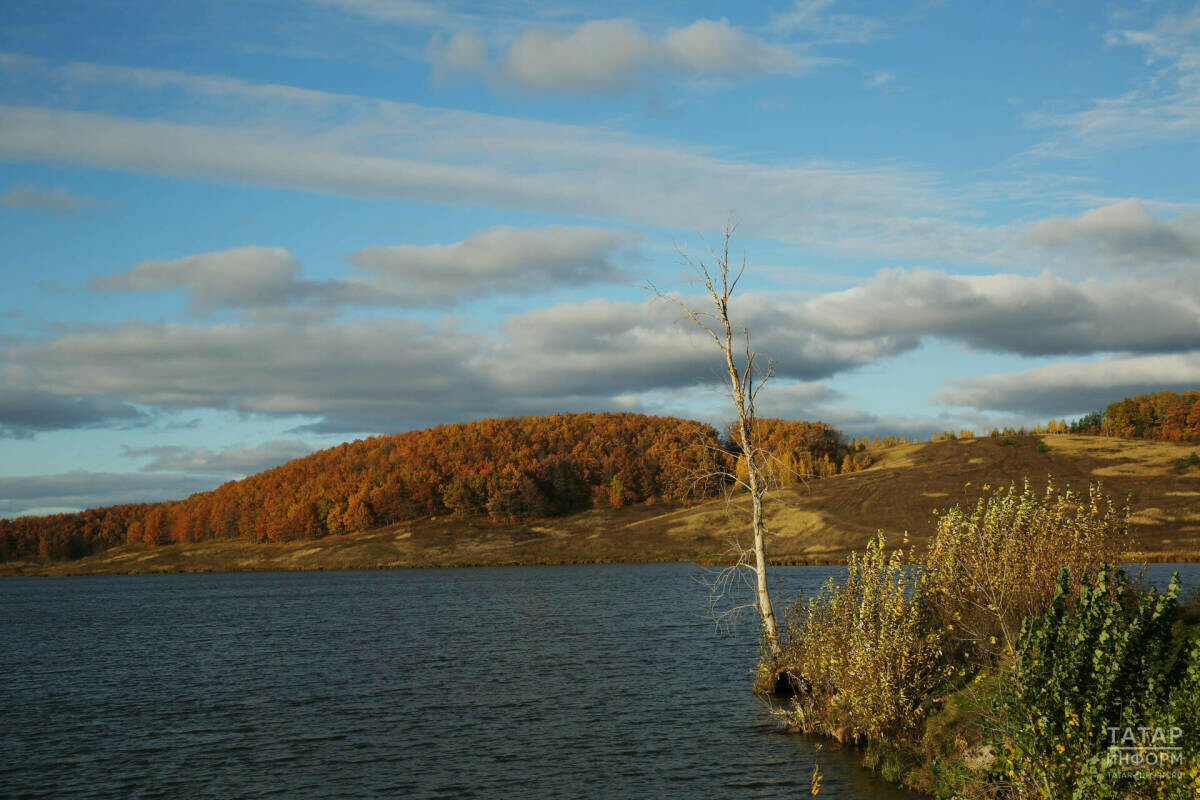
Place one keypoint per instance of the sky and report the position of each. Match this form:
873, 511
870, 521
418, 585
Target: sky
234, 232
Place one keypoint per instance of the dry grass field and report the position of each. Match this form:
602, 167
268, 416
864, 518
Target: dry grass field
816, 523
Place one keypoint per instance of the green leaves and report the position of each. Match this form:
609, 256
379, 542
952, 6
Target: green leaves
1103, 657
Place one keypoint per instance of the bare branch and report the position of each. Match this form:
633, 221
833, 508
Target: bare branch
720, 280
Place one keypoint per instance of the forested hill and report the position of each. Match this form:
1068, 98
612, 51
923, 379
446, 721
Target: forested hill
506, 469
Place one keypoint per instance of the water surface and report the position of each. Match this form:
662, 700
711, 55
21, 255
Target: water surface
581, 681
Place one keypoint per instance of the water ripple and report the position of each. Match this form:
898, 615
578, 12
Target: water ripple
541, 682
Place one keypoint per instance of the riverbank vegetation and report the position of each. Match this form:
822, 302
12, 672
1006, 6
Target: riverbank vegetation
1008, 659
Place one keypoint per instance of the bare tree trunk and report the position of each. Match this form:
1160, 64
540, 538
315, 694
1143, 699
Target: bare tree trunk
744, 385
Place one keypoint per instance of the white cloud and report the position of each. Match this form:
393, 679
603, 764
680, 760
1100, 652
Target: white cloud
498, 260
387, 374
365, 147
1042, 315
881, 78
239, 277
816, 18
451, 157
57, 200
464, 53
1121, 234
1165, 105
266, 280
599, 55
1068, 388
715, 47
607, 55
626, 347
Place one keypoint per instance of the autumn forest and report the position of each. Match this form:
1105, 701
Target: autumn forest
505, 470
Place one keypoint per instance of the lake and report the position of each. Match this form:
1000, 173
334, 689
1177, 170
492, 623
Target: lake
605, 681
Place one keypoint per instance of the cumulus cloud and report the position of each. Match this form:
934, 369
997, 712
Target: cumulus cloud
616, 54
598, 55
40, 494
398, 372
388, 374
239, 277
464, 53
1121, 234
1034, 316
233, 461
57, 200
264, 280
497, 260
634, 347
1075, 387
715, 47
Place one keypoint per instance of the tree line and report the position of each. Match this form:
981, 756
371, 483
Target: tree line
504, 469
1164, 416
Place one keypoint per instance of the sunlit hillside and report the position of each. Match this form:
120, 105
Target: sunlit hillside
814, 522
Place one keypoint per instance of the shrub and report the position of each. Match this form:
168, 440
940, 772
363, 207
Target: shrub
1100, 660
988, 568
864, 651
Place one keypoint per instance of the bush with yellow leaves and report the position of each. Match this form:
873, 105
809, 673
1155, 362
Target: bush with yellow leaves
863, 651
988, 568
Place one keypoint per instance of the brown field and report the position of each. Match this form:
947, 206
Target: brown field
816, 523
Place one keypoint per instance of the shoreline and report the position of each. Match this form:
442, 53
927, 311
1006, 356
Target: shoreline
100, 565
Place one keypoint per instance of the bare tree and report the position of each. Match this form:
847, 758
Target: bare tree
720, 279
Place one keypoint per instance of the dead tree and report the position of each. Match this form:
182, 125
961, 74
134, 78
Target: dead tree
720, 279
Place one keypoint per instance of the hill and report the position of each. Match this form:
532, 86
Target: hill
508, 470
814, 522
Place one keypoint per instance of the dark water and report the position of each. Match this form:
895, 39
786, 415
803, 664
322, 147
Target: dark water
588, 681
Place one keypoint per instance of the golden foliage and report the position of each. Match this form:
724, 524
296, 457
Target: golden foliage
990, 566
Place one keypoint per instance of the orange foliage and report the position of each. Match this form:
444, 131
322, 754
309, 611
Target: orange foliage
508, 469
1165, 416
799, 450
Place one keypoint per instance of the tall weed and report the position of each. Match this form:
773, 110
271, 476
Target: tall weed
989, 567
864, 651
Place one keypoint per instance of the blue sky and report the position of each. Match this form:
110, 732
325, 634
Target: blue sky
235, 232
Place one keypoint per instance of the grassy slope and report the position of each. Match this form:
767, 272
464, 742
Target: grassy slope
817, 523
